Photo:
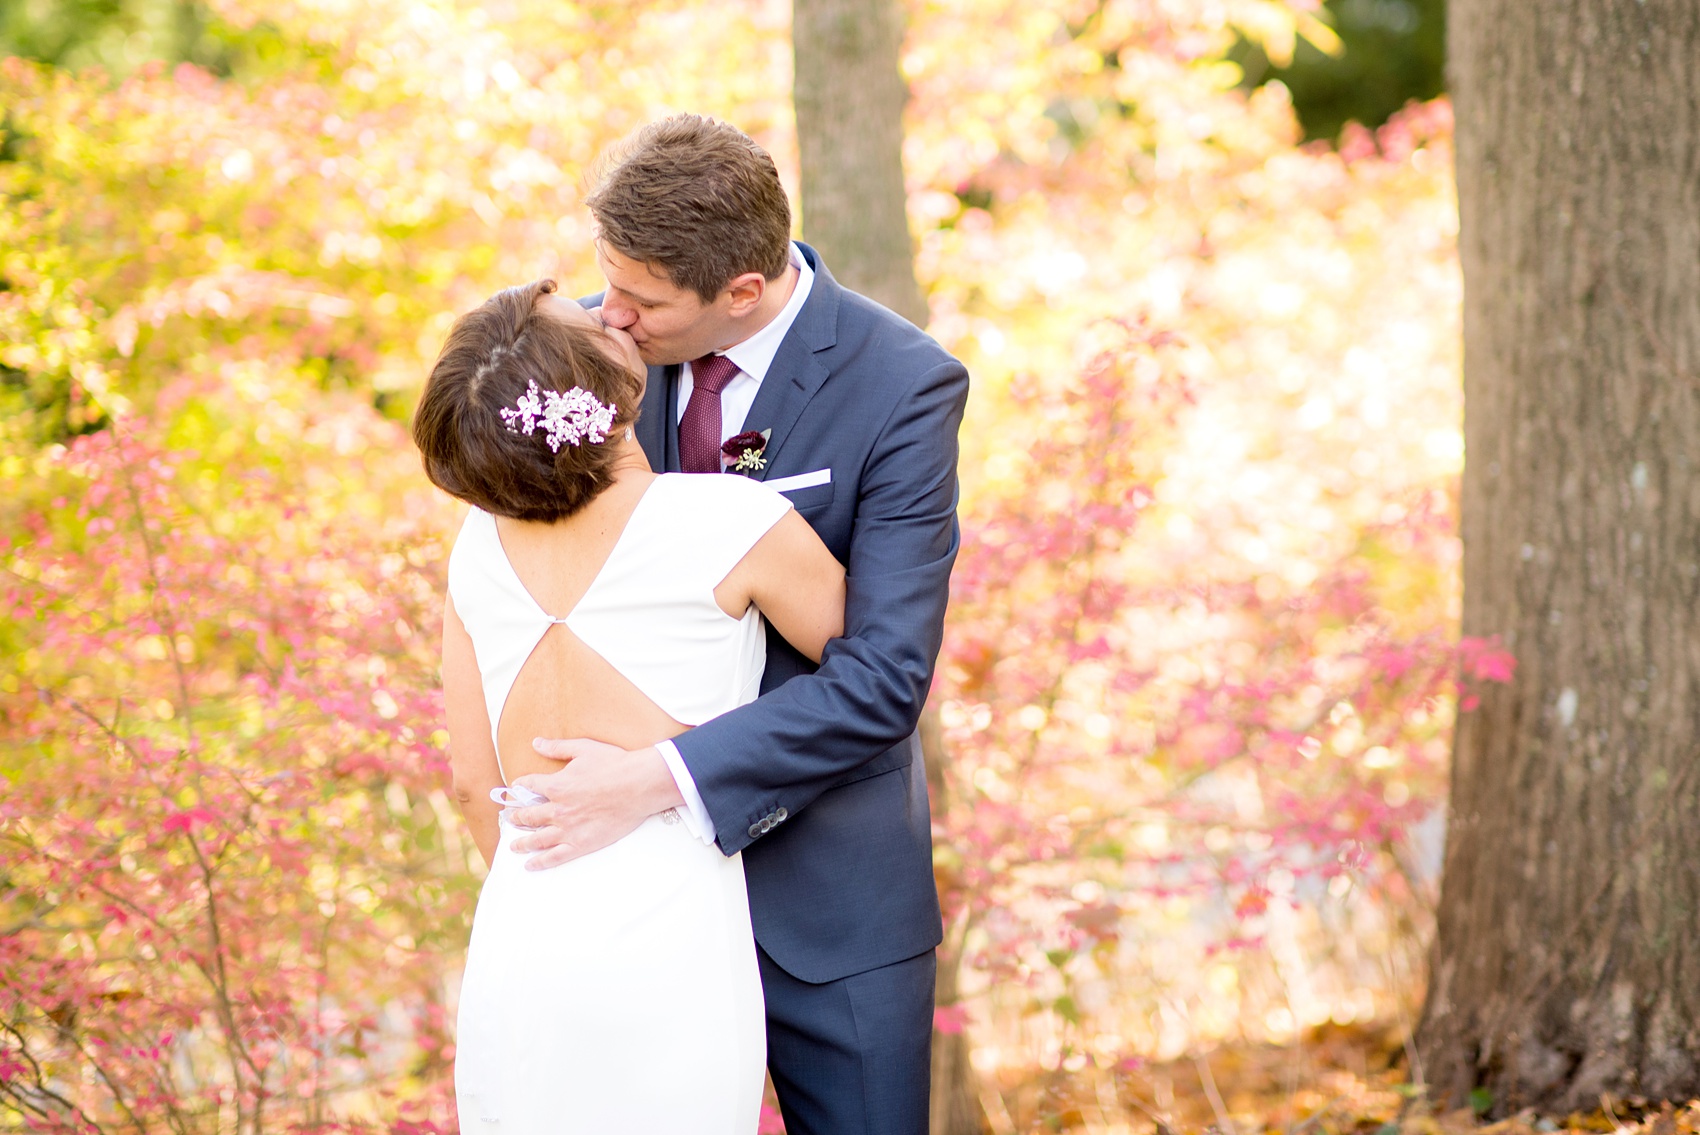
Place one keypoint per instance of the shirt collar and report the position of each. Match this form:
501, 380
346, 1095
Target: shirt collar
754, 355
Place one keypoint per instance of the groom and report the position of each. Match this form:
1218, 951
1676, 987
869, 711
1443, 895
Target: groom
819, 782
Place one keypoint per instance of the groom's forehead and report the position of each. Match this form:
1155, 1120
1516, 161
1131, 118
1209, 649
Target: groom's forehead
644, 279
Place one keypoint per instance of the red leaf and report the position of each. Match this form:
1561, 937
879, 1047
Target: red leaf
186, 819
950, 1019
1486, 660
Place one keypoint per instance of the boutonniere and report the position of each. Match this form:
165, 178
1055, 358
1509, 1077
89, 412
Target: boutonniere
744, 452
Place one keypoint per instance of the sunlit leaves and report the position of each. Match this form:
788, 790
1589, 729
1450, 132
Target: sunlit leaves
225, 840
1255, 724
1199, 674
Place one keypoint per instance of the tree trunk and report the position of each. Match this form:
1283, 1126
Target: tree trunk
849, 97
1567, 957
955, 1106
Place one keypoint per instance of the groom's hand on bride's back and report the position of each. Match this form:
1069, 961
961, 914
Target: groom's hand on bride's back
601, 796
568, 751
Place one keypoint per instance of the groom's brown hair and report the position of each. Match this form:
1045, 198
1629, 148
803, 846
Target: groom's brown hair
699, 199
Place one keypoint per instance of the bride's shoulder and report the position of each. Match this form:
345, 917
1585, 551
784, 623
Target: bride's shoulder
728, 502
477, 531
475, 524
725, 488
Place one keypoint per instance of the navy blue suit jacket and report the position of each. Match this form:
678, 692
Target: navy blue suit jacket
820, 782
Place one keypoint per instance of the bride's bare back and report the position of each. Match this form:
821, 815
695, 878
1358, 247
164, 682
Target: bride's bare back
552, 683
566, 689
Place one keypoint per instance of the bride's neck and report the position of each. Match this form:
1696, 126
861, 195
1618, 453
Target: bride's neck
629, 460
628, 471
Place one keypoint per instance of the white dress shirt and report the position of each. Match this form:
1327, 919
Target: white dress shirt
753, 357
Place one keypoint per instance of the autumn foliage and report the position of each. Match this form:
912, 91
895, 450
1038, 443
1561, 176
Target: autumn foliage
1201, 664
231, 869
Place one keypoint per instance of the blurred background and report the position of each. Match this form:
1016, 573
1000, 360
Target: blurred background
1189, 735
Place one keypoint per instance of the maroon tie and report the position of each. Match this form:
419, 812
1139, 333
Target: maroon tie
699, 426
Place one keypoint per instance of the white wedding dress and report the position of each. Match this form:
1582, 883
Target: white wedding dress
619, 992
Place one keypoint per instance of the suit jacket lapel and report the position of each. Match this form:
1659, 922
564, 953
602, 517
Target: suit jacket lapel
657, 430
796, 373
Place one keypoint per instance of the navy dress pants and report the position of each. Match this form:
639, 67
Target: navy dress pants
852, 1055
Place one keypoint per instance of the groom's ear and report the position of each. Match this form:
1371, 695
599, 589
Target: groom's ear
747, 291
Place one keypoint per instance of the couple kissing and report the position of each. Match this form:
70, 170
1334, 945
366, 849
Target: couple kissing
731, 873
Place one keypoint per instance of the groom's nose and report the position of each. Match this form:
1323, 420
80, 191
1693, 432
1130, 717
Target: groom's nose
617, 314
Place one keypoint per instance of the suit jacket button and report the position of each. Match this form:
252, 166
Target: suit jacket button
766, 826
755, 830
779, 817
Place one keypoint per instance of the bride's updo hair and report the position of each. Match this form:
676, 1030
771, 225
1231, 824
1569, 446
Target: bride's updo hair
489, 360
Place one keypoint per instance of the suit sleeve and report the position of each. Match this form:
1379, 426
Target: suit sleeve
775, 755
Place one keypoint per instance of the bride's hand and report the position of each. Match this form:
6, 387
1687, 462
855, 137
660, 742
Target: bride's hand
601, 796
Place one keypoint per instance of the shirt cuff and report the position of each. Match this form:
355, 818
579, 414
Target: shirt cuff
697, 820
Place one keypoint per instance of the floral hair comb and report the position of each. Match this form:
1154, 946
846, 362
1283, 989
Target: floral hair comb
572, 418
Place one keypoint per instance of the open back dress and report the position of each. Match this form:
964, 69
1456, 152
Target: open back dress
619, 992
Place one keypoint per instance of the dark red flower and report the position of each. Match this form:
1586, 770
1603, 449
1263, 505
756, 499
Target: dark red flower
746, 442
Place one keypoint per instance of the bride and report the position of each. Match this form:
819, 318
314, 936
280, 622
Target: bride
591, 597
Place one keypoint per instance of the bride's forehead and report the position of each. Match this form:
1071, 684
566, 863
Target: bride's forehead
566, 310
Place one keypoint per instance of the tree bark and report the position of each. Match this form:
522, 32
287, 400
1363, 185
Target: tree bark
849, 96
1567, 957
955, 1106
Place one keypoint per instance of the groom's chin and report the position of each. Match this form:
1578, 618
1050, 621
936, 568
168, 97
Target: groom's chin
660, 358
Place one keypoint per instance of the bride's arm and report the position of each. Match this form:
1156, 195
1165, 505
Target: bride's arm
796, 583
472, 752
